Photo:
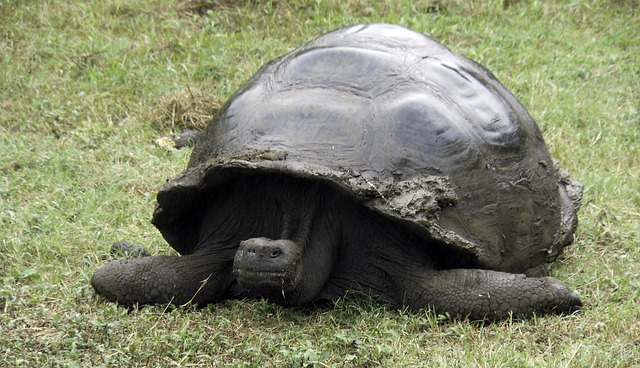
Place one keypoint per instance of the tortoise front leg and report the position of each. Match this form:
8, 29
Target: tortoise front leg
487, 295
191, 279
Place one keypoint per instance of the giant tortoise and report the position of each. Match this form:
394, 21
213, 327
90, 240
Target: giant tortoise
371, 159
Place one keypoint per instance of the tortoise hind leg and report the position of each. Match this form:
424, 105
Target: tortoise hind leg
487, 295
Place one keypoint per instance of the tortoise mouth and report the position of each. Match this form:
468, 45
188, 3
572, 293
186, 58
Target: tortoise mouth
267, 281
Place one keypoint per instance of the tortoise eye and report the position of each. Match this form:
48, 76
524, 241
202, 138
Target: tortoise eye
275, 253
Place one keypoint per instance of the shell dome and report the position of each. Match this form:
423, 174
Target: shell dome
411, 129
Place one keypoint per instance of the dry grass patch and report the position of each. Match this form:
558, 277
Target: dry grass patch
185, 109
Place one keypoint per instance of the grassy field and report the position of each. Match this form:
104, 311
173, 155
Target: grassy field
86, 87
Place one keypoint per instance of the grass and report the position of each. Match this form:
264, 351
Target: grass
84, 91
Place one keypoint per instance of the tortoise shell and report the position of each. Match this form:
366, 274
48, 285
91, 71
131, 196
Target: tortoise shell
412, 130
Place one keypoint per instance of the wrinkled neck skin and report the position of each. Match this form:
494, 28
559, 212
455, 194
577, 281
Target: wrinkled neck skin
310, 221
344, 246
278, 208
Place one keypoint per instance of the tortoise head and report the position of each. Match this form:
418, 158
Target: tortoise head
271, 268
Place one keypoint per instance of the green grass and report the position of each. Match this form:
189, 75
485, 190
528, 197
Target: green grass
82, 88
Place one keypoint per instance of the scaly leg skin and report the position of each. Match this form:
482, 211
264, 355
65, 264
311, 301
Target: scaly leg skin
489, 295
161, 280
